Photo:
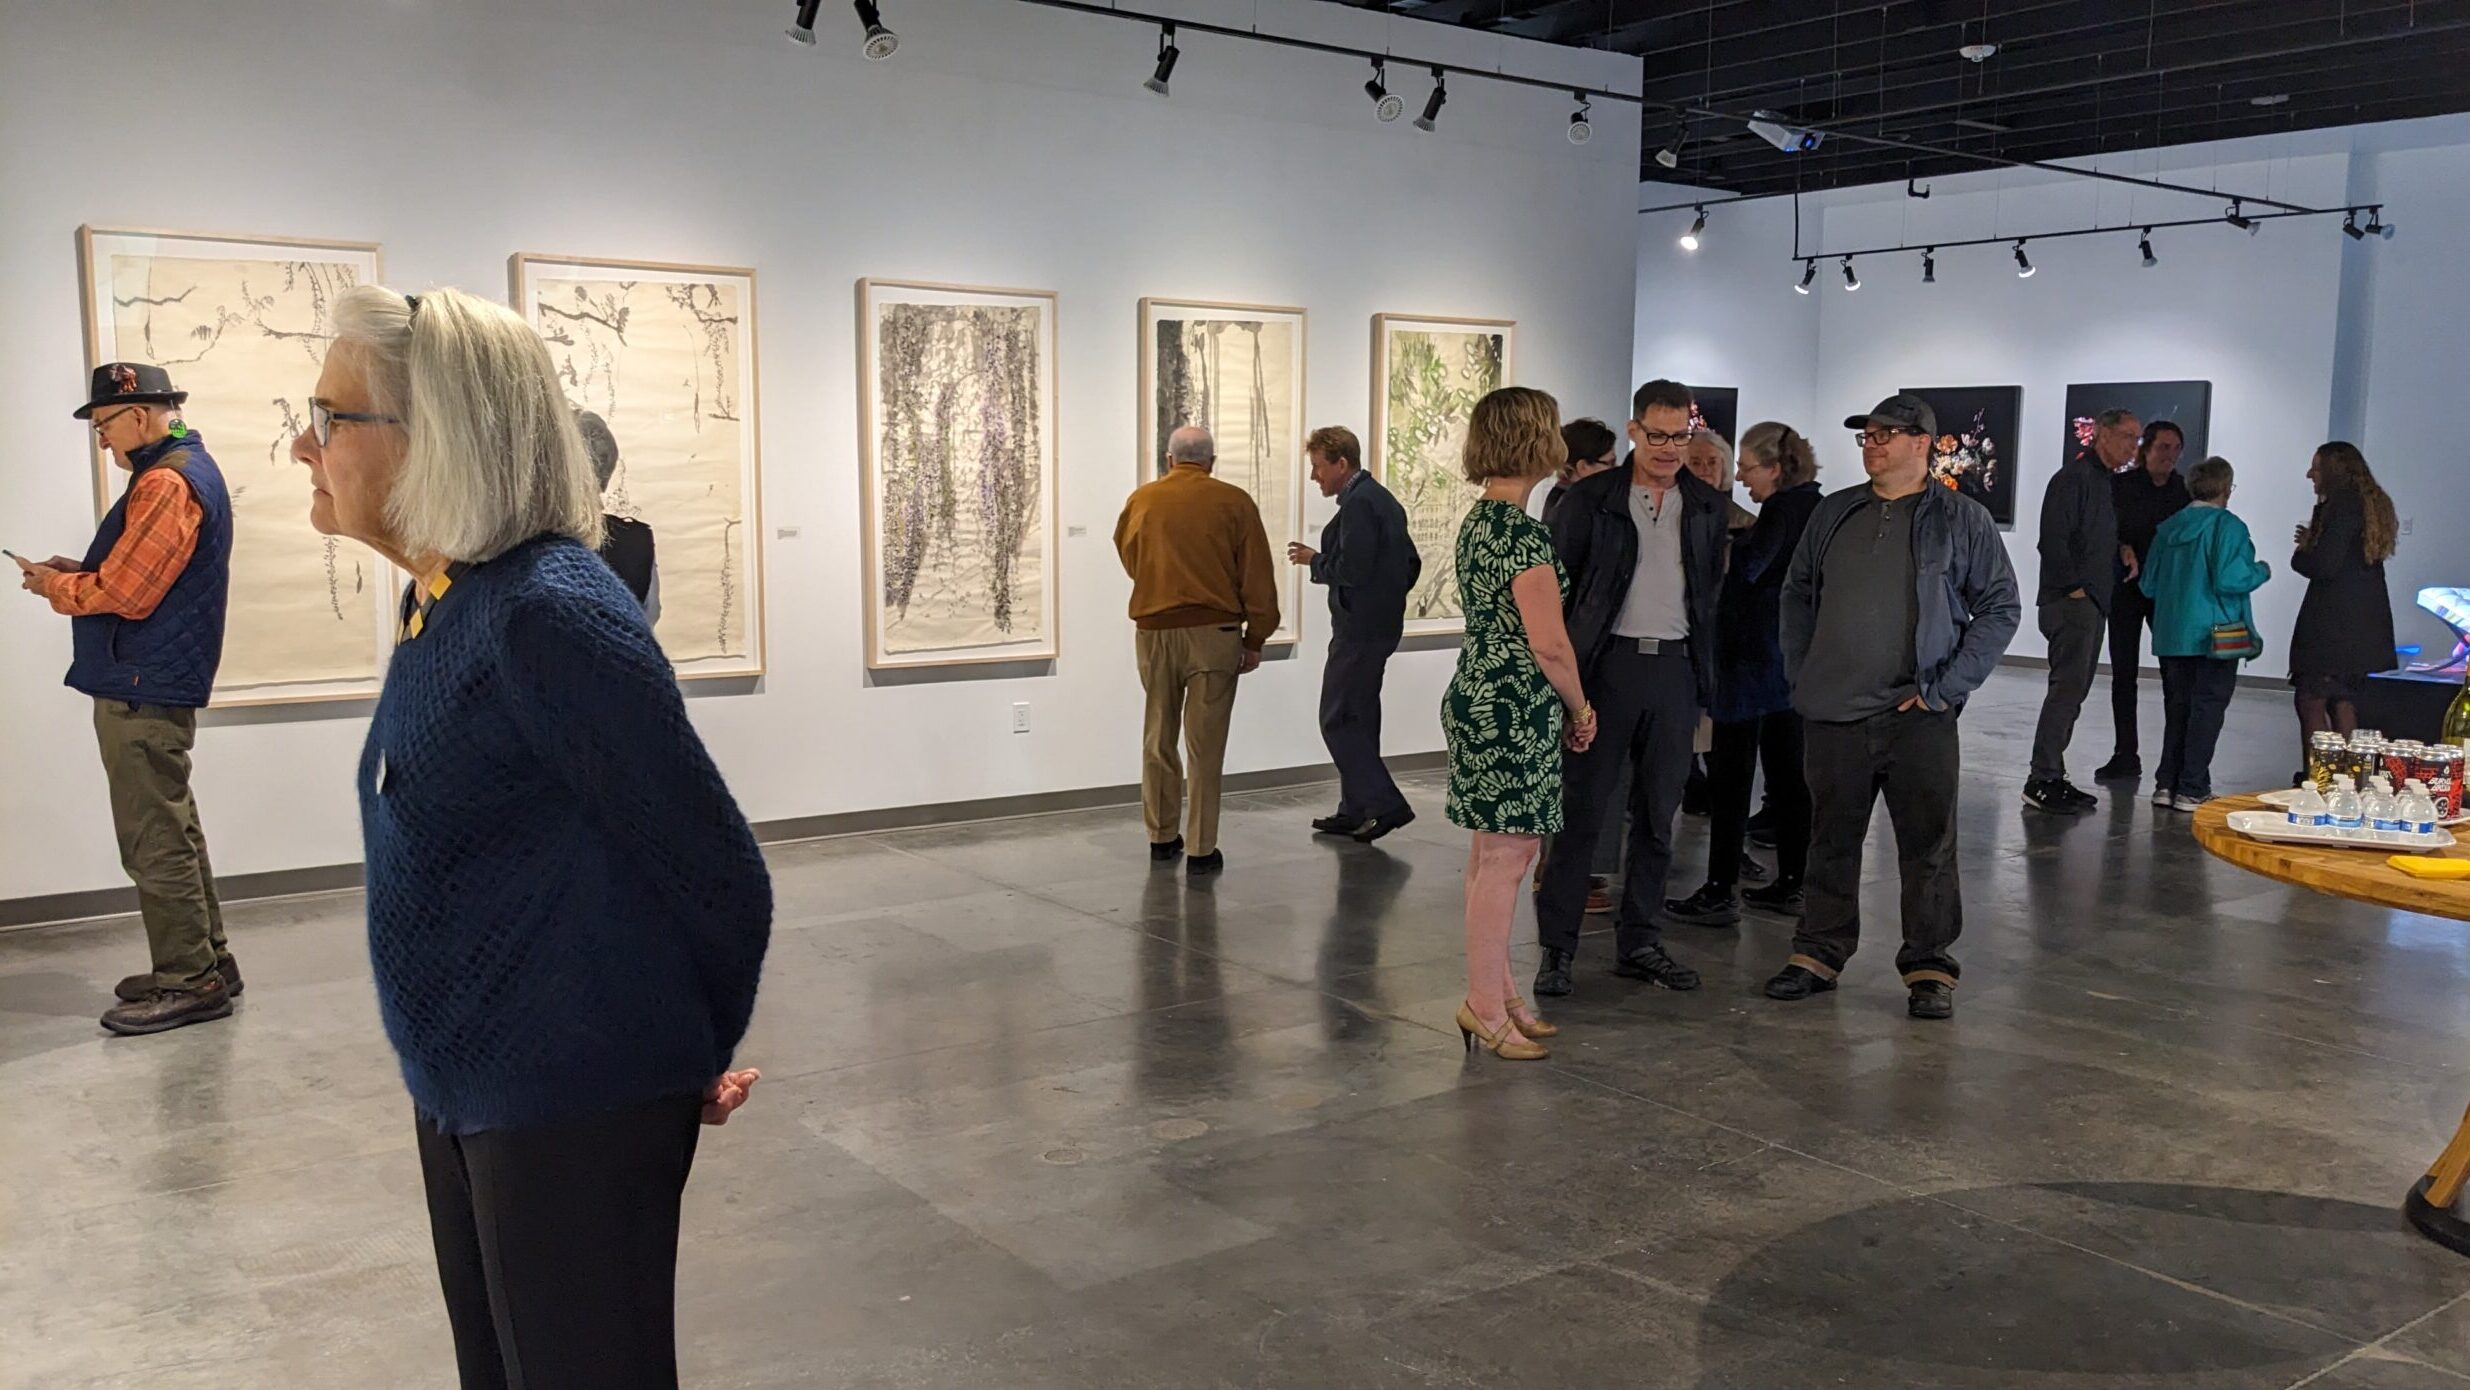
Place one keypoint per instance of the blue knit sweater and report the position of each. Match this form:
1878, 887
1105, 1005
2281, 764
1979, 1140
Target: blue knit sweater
566, 911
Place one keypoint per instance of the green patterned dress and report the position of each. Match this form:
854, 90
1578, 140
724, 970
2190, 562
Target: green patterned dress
1502, 718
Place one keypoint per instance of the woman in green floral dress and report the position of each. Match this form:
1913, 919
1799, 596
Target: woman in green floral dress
1504, 713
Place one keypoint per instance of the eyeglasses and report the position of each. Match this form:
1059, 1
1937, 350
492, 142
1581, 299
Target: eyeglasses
1879, 439
322, 418
99, 421
1657, 439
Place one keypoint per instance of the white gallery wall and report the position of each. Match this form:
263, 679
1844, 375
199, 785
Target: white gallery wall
1006, 145
2305, 334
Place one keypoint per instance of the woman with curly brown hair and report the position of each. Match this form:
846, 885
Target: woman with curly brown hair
2345, 624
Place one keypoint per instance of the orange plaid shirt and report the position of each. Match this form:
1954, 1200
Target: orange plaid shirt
161, 535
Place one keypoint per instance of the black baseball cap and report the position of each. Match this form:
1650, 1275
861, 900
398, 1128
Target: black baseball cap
1904, 410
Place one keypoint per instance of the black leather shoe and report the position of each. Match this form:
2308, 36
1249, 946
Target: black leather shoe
1797, 982
1710, 906
1161, 853
1203, 865
1552, 977
165, 1009
2126, 767
137, 987
1379, 826
1930, 999
1649, 963
1337, 825
1782, 897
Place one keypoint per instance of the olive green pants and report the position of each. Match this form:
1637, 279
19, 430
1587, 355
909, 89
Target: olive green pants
146, 760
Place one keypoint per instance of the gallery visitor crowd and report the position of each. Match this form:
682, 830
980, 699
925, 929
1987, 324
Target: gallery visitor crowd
549, 847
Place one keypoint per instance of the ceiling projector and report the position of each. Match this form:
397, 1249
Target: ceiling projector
1790, 139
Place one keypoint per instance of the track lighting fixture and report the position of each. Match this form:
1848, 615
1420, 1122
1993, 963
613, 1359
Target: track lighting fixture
1167, 54
2237, 217
2023, 263
881, 43
1809, 273
2144, 244
1851, 281
2350, 227
1433, 105
2377, 226
1689, 239
1669, 156
1581, 130
1385, 108
803, 30
1929, 266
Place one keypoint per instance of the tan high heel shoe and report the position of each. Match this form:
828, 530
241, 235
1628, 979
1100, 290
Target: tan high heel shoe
1533, 1024
1509, 1044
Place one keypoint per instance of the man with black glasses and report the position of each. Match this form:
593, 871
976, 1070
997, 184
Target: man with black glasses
1898, 605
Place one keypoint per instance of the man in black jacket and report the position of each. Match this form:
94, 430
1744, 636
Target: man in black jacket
2144, 497
1644, 548
2079, 572
1369, 563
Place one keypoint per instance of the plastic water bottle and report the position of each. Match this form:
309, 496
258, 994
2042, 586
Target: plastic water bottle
2418, 810
2382, 809
2343, 806
2307, 805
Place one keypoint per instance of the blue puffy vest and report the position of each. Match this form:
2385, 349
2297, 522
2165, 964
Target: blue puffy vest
169, 657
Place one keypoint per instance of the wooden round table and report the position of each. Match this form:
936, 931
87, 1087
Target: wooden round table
2434, 1203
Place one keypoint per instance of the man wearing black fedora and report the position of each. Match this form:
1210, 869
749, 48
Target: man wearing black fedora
145, 609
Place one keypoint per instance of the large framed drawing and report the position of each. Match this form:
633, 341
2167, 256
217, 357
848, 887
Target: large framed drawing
957, 449
1427, 375
666, 354
2186, 404
1238, 370
242, 324
1975, 449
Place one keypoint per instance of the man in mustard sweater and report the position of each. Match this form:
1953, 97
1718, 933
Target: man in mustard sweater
1204, 601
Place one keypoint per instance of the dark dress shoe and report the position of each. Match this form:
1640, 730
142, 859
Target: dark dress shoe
1931, 999
1782, 896
137, 987
1797, 982
2126, 767
1552, 977
1710, 906
1649, 963
1160, 853
1337, 825
165, 1009
1203, 865
1379, 826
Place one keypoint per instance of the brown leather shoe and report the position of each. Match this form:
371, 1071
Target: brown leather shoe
165, 1009
137, 987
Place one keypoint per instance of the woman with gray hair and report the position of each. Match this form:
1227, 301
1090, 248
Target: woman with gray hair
567, 914
625, 541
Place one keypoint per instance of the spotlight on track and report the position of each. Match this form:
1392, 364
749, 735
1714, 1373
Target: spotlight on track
1809, 273
881, 43
1581, 130
1929, 266
803, 30
1167, 54
2023, 263
2350, 227
1385, 107
1438, 99
2377, 226
1669, 156
1689, 239
2144, 244
2237, 217
1851, 281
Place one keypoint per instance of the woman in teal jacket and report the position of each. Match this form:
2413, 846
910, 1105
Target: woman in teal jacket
2201, 569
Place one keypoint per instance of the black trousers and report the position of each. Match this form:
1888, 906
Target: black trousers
557, 1247
2195, 700
1741, 747
2073, 627
2130, 613
1351, 724
1915, 760
1646, 713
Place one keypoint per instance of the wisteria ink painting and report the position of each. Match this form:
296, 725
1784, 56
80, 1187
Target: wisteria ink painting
243, 326
1427, 376
666, 355
958, 443
1975, 451
1237, 370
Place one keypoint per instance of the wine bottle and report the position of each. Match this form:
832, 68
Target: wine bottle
2457, 720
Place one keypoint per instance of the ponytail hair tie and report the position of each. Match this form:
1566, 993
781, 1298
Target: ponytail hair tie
411, 304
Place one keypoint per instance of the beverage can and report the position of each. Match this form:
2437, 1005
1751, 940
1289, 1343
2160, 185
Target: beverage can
2326, 752
2400, 762
2444, 768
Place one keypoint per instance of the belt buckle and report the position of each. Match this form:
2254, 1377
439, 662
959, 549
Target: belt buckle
1651, 646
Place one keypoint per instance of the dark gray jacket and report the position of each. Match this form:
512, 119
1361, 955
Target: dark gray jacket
1368, 561
2079, 533
1598, 545
1966, 604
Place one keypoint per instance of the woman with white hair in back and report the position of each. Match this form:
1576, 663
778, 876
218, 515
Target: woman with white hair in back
567, 913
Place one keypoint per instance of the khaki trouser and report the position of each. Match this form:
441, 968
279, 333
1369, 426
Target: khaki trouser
146, 760
1189, 673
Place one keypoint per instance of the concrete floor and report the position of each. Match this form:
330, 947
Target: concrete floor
1036, 1115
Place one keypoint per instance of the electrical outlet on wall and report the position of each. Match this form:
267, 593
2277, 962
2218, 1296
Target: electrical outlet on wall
1020, 717
2405, 526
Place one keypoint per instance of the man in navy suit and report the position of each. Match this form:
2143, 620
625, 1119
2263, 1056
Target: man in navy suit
1369, 564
